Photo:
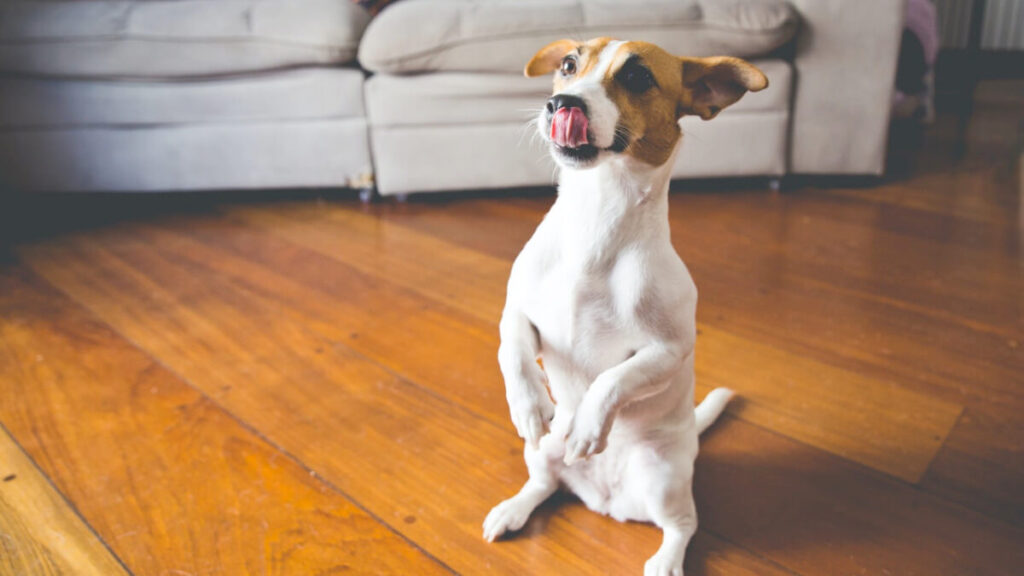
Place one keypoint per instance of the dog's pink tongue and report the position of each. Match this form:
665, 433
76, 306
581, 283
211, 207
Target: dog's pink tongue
569, 128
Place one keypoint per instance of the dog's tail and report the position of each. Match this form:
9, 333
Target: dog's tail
711, 407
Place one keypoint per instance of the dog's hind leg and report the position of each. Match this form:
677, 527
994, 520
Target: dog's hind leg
674, 511
544, 464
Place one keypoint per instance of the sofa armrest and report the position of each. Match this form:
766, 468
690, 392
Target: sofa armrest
846, 54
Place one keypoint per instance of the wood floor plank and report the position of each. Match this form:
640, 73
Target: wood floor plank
755, 232
460, 277
40, 535
171, 483
980, 464
794, 395
253, 343
828, 407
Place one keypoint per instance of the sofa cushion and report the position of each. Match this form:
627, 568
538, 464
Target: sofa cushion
290, 95
501, 35
460, 98
175, 38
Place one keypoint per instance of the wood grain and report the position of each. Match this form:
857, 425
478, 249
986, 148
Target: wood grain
187, 300
463, 278
170, 482
40, 535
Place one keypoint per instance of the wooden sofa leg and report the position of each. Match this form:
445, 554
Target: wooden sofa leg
366, 185
367, 194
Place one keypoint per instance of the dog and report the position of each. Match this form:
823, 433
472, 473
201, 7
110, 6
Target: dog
600, 310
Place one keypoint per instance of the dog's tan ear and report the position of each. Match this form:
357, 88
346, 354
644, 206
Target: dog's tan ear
711, 84
549, 58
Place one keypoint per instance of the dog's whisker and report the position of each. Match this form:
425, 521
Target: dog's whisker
523, 131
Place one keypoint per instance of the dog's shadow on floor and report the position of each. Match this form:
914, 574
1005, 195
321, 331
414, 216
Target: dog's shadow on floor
790, 503
755, 490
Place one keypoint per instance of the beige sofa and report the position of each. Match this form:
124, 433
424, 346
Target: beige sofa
161, 95
232, 94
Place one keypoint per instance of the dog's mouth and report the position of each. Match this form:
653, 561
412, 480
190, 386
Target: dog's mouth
571, 138
569, 128
580, 154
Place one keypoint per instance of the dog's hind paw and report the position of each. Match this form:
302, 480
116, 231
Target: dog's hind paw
659, 565
509, 516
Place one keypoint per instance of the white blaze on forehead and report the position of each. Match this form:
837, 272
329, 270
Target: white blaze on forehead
604, 62
601, 111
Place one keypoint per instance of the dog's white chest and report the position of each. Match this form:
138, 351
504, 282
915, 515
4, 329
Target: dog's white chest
585, 316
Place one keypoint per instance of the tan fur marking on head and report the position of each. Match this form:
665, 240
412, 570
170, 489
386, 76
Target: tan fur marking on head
548, 58
650, 117
700, 86
589, 54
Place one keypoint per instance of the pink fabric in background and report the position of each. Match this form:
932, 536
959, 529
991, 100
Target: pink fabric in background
921, 20
373, 6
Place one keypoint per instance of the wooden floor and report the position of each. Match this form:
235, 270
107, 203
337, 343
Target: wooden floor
230, 385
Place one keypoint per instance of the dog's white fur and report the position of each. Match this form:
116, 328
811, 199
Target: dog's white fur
601, 296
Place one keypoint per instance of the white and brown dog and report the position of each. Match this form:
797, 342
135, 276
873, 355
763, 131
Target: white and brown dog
600, 295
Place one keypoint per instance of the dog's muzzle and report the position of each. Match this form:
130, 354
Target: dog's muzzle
569, 121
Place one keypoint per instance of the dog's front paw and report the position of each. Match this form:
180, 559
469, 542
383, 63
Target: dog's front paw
588, 433
532, 412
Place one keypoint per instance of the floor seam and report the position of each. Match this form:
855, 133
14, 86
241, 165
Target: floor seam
71, 506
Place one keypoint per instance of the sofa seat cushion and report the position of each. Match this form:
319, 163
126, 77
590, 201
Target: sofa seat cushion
502, 35
175, 38
460, 98
292, 95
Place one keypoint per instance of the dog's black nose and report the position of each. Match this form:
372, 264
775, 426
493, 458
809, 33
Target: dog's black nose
559, 101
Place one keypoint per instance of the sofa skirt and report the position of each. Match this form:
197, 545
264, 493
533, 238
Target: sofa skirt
317, 153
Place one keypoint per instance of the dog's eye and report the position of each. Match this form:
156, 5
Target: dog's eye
569, 66
636, 78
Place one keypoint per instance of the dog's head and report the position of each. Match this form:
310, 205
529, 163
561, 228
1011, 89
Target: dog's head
616, 98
